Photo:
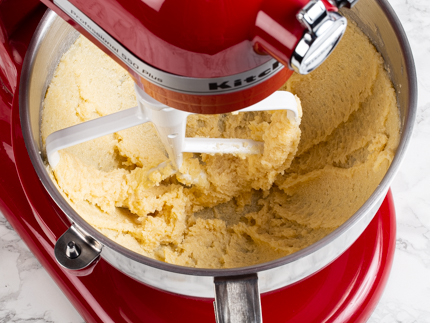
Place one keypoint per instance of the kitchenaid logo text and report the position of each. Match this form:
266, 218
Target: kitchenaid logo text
244, 81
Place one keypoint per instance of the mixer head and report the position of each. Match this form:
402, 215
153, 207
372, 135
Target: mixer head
209, 56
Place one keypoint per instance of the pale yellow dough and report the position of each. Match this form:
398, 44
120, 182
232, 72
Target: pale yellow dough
227, 211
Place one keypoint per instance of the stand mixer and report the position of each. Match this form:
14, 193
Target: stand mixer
192, 79
199, 66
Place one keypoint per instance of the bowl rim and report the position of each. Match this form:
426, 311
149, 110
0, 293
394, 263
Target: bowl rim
74, 217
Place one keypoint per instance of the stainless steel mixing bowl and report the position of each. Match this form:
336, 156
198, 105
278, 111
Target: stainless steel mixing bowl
53, 37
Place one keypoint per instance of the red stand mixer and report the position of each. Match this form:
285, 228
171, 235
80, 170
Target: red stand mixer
220, 72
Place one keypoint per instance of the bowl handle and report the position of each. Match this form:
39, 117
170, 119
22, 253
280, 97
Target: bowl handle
237, 299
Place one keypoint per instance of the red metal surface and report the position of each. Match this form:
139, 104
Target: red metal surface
12, 13
345, 291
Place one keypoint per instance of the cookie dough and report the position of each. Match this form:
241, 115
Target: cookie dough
223, 211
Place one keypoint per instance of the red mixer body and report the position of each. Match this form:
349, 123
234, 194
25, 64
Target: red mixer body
345, 291
223, 41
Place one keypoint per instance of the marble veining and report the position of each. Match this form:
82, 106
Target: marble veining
28, 294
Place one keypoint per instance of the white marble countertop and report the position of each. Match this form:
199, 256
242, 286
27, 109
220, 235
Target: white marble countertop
27, 293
